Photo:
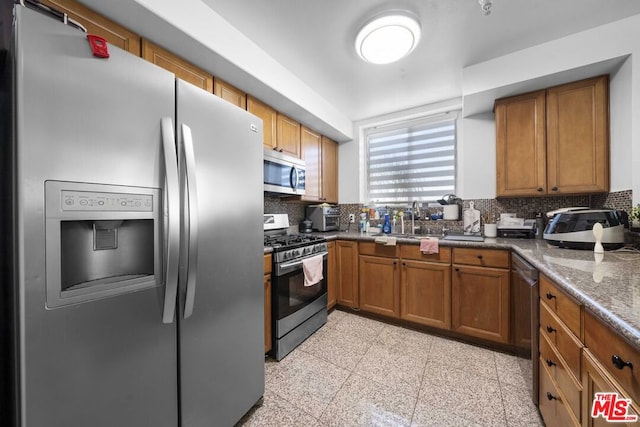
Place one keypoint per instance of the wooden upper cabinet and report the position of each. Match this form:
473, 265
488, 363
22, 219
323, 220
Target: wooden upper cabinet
520, 145
311, 148
288, 135
578, 137
230, 93
181, 68
329, 170
321, 174
98, 25
269, 120
554, 141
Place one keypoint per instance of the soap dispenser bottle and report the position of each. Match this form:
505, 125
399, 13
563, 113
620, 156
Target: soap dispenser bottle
386, 225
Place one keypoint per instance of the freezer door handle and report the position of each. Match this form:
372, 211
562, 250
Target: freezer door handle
192, 207
172, 221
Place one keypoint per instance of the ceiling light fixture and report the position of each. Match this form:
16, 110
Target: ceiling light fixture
388, 37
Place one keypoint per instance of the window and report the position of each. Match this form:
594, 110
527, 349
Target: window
413, 161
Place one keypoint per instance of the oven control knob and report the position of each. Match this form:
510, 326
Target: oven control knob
298, 253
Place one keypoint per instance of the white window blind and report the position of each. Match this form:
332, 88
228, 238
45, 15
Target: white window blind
412, 162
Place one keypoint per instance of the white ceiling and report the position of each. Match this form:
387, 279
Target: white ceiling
314, 40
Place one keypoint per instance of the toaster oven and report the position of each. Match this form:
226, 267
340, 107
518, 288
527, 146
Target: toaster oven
324, 217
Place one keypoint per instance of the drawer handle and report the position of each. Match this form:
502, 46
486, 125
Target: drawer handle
551, 396
550, 362
550, 329
619, 363
479, 256
550, 295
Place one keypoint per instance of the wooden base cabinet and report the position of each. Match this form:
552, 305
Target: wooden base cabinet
425, 293
480, 302
379, 285
596, 379
347, 267
332, 276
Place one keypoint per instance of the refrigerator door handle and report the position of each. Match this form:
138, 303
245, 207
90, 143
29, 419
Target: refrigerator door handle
172, 221
190, 163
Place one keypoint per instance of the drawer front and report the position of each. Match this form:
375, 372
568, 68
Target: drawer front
375, 249
413, 252
559, 371
605, 344
481, 257
564, 306
562, 339
552, 404
267, 264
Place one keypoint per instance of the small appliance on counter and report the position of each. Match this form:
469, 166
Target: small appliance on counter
572, 228
512, 227
324, 217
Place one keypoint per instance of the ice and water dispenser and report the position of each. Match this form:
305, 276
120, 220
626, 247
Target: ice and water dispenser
101, 241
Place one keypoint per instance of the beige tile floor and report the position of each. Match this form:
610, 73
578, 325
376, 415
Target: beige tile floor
360, 372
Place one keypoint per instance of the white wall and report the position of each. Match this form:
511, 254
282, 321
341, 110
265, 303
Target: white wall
563, 57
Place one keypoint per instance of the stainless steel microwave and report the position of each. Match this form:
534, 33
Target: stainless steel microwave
283, 174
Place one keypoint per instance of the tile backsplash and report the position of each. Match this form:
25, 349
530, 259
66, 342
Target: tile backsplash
523, 207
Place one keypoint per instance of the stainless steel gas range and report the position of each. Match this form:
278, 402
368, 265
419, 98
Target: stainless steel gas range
297, 310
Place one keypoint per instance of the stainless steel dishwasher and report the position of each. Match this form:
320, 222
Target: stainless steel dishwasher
524, 279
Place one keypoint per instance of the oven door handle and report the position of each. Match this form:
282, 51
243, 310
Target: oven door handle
296, 263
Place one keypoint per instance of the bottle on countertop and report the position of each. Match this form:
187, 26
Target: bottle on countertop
539, 225
386, 225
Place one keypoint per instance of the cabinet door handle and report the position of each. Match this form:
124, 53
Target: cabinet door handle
550, 295
619, 363
540, 189
457, 269
275, 148
404, 264
395, 262
550, 362
554, 188
281, 150
551, 396
550, 329
479, 256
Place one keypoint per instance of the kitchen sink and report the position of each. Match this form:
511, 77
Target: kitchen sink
463, 237
408, 236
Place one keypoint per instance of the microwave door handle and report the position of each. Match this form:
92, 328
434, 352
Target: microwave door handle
292, 181
192, 208
172, 221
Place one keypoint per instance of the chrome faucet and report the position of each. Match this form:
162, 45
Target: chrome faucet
414, 207
444, 231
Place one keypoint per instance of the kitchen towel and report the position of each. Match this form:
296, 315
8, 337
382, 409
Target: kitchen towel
312, 269
429, 246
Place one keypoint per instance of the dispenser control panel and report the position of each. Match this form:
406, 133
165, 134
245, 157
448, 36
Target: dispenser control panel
99, 201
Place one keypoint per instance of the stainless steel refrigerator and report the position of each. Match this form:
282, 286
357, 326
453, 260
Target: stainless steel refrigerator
134, 293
